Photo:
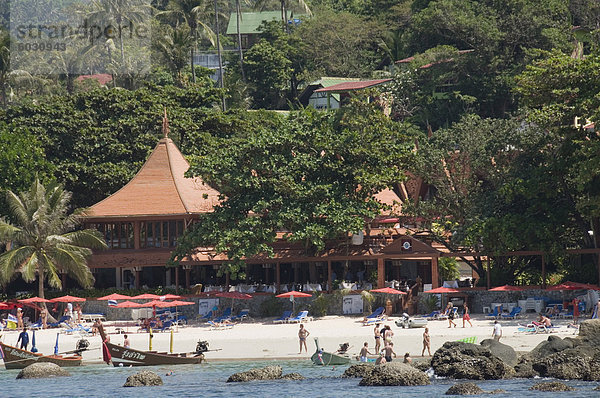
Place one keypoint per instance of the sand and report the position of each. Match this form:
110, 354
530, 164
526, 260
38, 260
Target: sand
263, 340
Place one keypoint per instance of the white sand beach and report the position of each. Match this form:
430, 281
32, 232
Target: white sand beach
264, 340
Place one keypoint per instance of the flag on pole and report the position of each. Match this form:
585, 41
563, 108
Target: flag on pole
56, 345
112, 303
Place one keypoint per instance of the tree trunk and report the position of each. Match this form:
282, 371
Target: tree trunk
221, 83
192, 55
239, 37
40, 284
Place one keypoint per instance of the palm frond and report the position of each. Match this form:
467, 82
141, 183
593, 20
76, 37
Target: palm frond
12, 260
89, 238
30, 267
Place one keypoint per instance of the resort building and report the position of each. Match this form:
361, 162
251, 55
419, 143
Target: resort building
142, 221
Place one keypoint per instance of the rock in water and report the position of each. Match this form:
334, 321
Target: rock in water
143, 378
292, 376
505, 352
468, 361
395, 374
465, 389
266, 373
359, 370
589, 331
40, 370
551, 386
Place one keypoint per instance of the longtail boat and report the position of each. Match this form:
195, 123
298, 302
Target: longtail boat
324, 358
121, 356
16, 358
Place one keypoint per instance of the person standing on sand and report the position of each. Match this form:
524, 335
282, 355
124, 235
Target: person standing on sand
364, 351
389, 351
387, 335
44, 317
19, 318
575, 303
426, 342
302, 335
377, 337
126, 342
497, 333
466, 317
450, 314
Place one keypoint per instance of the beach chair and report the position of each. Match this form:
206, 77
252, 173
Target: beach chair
284, 317
373, 321
496, 313
513, 313
244, 314
376, 314
434, 315
219, 325
64, 319
207, 317
302, 316
226, 315
166, 326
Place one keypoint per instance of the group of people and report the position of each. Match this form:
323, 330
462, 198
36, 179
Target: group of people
450, 313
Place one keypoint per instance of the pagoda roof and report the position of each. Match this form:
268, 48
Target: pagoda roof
159, 189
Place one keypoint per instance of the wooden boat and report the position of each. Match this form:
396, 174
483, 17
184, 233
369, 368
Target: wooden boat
122, 356
16, 358
324, 358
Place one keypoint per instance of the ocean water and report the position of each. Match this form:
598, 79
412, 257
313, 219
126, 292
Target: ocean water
209, 380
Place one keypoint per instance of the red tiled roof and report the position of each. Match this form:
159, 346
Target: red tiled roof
159, 188
102, 78
349, 86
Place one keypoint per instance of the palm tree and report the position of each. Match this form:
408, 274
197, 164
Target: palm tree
4, 62
193, 12
174, 46
39, 243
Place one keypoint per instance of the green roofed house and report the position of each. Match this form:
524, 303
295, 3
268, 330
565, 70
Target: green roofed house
250, 22
319, 100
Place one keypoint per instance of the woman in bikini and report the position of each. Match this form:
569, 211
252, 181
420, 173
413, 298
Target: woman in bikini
377, 337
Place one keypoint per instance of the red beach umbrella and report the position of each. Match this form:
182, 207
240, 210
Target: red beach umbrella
34, 300
507, 288
127, 304
177, 303
439, 290
114, 296
573, 286
236, 295
3, 306
387, 290
146, 296
170, 297
67, 299
291, 295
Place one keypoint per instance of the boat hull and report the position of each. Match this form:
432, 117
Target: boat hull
122, 356
16, 358
326, 358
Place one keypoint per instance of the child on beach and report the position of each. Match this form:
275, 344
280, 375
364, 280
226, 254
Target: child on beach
426, 342
407, 358
364, 351
497, 332
389, 351
466, 317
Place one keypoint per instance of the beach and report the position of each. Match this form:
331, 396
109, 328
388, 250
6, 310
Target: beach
261, 339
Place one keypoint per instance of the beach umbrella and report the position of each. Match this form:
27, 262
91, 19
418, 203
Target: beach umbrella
170, 297
291, 295
3, 306
33, 300
128, 304
146, 296
387, 290
67, 299
507, 288
573, 286
442, 290
33, 347
233, 296
114, 296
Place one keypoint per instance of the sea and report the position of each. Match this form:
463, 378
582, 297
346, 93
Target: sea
209, 380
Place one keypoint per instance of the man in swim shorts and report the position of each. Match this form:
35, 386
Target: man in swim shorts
302, 335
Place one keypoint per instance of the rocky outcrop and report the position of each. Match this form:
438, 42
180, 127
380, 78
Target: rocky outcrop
395, 374
292, 376
143, 379
42, 370
469, 361
502, 351
465, 389
358, 370
589, 331
551, 386
422, 365
266, 373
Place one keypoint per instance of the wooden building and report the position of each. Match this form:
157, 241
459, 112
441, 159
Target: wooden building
142, 221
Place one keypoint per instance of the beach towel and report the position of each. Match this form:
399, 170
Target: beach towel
471, 340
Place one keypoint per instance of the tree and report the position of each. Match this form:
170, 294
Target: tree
174, 46
42, 241
313, 174
4, 63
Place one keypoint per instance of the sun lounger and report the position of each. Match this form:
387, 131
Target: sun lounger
373, 321
376, 314
207, 316
496, 313
226, 315
302, 316
284, 317
244, 314
513, 314
65, 319
220, 325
